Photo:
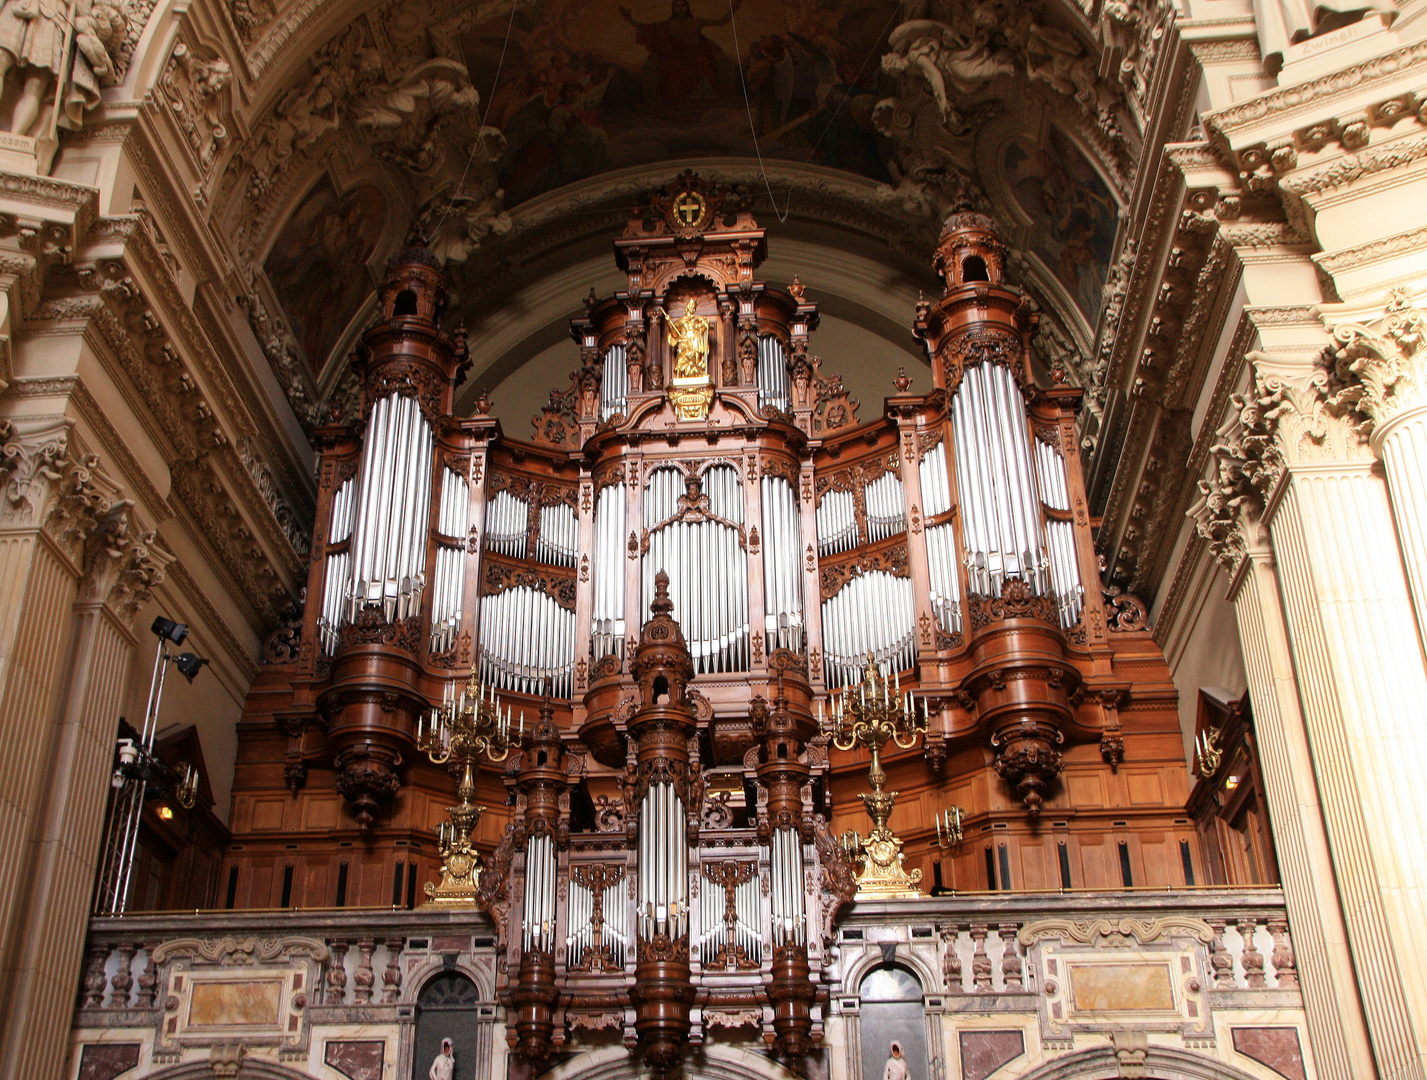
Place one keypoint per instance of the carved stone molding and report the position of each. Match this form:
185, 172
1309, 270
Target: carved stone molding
1248, 466
1302, 97
1116, 932
231, 951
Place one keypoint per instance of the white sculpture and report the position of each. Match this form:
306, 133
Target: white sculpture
443, 1066
1281, 23
59, 50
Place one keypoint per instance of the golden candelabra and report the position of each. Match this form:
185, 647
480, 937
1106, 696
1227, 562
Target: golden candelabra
948, 828
872, 714
466, 727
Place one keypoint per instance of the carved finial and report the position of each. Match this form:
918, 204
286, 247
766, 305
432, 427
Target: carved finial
902, 381
661, 605
592, 299
796, 289
923, 306
482, 403
1058, 373
545, 730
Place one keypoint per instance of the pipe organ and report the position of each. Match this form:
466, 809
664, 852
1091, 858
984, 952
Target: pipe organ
696, 544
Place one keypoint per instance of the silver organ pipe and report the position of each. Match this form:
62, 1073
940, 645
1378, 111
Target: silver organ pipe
538, 927
706, 564
872, 613
1060, 536
663, 893
579, 910
527, 642
941, 542
886, 507
393, 501
999, 500
785, 857
715, 928
607, 610
507, 522
837, 523
449, 578
614, 383
782, 575
558, 542
339, 564
746, 901
581, 937
773, 385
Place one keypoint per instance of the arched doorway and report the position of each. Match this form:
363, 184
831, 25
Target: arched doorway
892, 1015
447, 1009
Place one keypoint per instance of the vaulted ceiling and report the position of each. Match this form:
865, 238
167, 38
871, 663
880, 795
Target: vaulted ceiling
519, 138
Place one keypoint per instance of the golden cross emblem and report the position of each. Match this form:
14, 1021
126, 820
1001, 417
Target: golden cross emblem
689, 207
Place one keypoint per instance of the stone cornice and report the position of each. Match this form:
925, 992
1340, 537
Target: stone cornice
174, 402
73, 203
1295, 101
1376, 251
1354, 166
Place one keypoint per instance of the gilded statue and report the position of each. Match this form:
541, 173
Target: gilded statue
689, 338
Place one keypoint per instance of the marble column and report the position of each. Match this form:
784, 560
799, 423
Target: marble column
73, 568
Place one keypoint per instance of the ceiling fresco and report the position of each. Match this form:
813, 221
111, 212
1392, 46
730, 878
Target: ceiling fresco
592, 85
518, 139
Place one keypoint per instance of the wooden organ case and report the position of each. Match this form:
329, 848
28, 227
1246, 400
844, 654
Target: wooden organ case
699, 542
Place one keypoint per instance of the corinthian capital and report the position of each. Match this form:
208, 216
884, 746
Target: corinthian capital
122, 562
1378, 362
1306, 420
1248, 465
33, 458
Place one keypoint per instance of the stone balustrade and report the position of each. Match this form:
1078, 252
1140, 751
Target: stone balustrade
1211, 970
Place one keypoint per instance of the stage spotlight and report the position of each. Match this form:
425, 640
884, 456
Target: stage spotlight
167, 628
189, 664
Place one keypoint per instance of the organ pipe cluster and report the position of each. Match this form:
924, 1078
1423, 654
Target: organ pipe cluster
663, 589
663, 865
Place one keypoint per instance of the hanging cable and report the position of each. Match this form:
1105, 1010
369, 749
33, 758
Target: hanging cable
480, 136
752, 130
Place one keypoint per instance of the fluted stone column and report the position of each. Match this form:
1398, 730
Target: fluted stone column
1382, 370
122, 562
1229, 516
74, 567
1360, 674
